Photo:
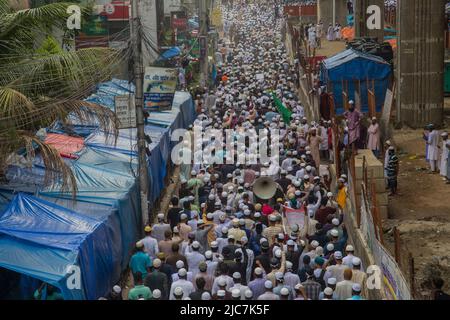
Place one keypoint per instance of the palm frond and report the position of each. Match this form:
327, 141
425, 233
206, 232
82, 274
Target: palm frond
14, 103
57, 172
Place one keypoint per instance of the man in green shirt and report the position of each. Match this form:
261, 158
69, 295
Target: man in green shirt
139, 291
47, 292
140, 261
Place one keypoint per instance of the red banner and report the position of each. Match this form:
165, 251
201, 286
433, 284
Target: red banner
117, 11
179, 23
299, 11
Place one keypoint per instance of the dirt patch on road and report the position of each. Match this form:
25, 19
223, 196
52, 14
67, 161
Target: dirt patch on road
421, 213
422, 195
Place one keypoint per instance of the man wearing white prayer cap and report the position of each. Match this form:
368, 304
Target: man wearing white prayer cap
182, 283
268, 294
160, 228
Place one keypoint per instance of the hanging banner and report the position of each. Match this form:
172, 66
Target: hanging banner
159, 88
125, 111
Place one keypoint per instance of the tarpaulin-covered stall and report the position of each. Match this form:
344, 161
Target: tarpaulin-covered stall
351, 67
44, 241
105, 186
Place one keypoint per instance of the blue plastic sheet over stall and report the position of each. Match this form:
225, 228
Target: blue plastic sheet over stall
107, 186
105, 214
42, 240
351, 66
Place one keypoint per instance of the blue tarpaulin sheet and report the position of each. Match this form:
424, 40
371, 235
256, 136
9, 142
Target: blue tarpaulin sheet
106, 204
44, 240
108, 187
352, 66
170, 53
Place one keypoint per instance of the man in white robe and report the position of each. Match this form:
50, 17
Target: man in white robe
433, 149
330, 33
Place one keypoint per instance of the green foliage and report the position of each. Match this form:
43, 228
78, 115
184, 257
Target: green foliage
40, 83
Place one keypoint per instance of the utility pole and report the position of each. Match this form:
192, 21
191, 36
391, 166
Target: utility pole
203, 41
334, 13
138, 71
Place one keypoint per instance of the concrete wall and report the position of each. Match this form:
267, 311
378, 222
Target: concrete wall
171, 5
420, 62
361, 16
375, 168
325, 12
356, 238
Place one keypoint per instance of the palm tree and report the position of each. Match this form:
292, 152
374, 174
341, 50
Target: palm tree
40, 83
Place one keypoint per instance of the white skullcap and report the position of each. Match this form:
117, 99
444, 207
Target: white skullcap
268, 284
208, 254
195, 244
258, 271
156, 263
332, 281
175, 229
178, 291
356, 287
182, 272
278, 253
179, 264
156, 293
160, 216
330, 247
222, 282
356, 261
298, 286
206, 296
221, 293
117, 289
248, 293
349, 248
335, 222
314, 244
328, 291
236, 293
257, 215
330, 194
284, 291
224, 230
183, 216
338, 255
334, 233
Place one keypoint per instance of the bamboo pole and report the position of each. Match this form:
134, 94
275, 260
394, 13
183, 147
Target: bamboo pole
397, 246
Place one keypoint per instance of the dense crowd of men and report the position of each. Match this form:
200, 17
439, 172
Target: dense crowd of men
220, 240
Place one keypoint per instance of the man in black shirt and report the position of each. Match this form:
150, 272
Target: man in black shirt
173, 216
197, 295
264, 258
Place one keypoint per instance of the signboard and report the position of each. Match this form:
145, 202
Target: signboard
216, 18
203, 46
179, 23
295, 216
82, 42
95, 25
159, 88
125, 111
109, 8
117, 10
386, 113
395, 285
